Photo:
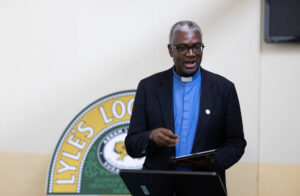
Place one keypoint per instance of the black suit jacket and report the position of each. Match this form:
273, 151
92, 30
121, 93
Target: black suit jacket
221, 128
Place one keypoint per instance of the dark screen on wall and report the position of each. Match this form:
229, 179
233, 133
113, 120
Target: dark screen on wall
285, 18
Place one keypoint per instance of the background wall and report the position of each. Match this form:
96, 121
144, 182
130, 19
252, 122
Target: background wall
279, 152
56, 57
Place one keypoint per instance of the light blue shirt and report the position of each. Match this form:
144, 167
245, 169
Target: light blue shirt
186, 101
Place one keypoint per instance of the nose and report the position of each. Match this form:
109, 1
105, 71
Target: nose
190, 52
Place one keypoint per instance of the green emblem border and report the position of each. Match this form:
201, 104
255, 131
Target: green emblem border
68, 128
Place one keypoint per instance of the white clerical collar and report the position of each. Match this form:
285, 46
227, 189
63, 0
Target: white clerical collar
186, 79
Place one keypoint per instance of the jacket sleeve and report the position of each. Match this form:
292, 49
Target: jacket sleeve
137, 140
234, 143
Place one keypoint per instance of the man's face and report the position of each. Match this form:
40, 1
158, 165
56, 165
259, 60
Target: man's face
186, 64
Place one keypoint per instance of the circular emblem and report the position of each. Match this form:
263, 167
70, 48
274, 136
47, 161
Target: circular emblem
91, 151
112, 152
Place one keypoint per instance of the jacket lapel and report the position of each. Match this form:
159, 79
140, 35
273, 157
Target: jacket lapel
205, 107
165, 94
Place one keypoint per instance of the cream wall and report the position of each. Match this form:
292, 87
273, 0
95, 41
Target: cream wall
279, 153
280, 107
59, 56
56, 57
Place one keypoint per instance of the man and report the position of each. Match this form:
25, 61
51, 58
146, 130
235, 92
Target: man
186, 109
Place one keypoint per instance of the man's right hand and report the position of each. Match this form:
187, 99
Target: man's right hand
163, 137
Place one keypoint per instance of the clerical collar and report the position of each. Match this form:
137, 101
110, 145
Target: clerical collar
186, 79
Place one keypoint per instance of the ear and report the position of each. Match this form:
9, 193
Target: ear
170, 50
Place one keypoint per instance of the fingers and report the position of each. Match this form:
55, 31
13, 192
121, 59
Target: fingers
164, 137
167, 136
169, 133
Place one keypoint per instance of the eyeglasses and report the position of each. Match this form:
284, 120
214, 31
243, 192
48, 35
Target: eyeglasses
196, 48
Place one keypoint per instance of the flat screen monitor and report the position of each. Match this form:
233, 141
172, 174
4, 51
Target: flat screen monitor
282, 21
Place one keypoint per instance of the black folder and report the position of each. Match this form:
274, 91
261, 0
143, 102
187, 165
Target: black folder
194, 156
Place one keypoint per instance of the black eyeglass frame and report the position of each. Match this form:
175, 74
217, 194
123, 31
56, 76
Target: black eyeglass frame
184, 48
